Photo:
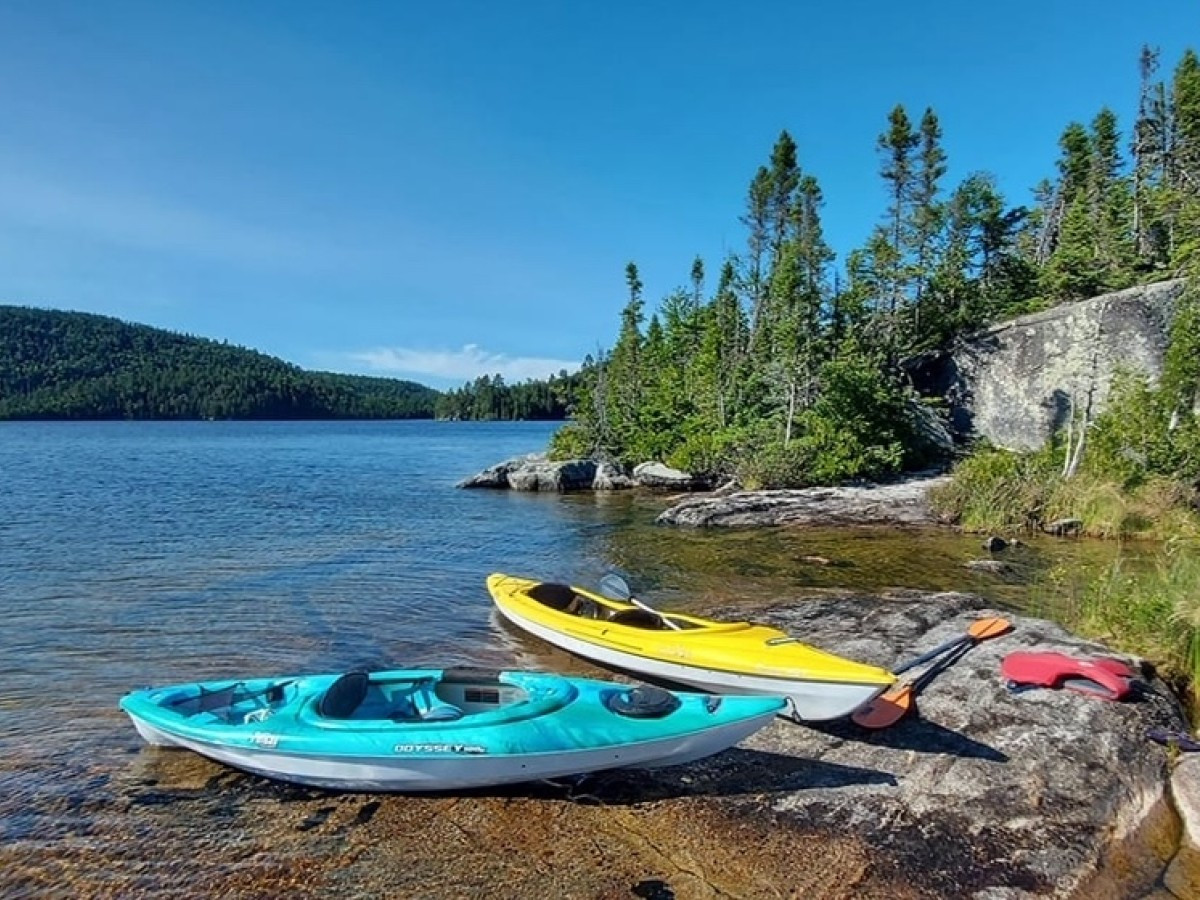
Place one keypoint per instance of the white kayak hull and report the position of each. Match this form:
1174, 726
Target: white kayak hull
808, 700
455, 772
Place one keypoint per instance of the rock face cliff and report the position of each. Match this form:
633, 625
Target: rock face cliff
1017, 383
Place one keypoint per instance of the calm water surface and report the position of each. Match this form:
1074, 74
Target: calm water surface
151, 553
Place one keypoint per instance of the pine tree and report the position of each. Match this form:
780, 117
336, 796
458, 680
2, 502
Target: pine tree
927, 213
897, 146
1185, 160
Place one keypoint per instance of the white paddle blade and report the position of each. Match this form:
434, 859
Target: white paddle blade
613, 585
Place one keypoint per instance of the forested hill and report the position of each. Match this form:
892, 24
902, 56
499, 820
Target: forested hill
68, 365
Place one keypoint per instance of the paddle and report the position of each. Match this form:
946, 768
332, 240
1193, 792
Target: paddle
613, 585
981, 628
893, 704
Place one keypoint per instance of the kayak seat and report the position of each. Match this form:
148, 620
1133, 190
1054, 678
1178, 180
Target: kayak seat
584, 608
638, 618
344, 696
429, 707
553, 595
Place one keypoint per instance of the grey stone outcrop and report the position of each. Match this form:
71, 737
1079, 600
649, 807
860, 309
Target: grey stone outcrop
1183, 874
1017, 383
901, 503
535, 472
659, 476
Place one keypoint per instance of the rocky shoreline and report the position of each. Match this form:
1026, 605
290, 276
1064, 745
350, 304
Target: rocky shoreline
985, 794
903, 502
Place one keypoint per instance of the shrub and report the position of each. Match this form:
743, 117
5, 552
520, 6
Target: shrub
998, 490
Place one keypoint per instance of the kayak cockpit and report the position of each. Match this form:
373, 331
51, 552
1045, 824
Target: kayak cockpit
363, 700
566, 599
359, 696
234, 704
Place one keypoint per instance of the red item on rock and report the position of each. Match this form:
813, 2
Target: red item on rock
1109, 679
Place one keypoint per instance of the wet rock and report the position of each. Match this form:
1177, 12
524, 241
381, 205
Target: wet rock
658, 476
992, 566
903, 503
543, 475
611, 477
1063, 526
982, 794
729, 486
1183, 875
496, 477
995, 544
535, 472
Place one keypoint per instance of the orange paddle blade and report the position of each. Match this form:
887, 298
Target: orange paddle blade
894, 704
887, 709
982, 629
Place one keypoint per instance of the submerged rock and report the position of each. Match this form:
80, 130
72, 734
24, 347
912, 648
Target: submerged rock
1063, 526
901, 503
993, 566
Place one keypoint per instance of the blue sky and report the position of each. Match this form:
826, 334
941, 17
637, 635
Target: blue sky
441, 190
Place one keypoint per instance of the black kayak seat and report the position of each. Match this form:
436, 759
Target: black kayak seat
638, 618
344, 696
646, 701
549, 593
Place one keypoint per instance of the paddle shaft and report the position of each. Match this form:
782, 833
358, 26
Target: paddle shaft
891, 706
980, 630
640, 605
943, 664
930, 654
614, 585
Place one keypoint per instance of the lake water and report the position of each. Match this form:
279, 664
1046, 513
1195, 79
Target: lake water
153, 553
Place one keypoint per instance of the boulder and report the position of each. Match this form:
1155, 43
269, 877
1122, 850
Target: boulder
1019, 382
1063, 526
903, 503
994, 544
1183, 875
536, 473
567, 475
496, 476
662, 477
610, 477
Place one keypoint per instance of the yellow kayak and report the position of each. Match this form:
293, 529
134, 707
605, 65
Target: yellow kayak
723, 657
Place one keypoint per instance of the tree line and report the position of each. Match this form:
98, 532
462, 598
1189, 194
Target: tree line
65, 365
789, 372
488, 397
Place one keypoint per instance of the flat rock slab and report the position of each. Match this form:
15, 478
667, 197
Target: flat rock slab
986, 794
901, 503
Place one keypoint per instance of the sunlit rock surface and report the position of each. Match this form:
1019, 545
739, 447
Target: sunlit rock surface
901, 503
985, 794
1019, 382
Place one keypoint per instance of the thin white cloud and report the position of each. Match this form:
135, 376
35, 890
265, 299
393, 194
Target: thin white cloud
466, 364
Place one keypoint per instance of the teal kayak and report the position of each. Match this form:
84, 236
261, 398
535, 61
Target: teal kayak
440, 729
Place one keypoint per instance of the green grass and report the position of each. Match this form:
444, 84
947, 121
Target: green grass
1153, 613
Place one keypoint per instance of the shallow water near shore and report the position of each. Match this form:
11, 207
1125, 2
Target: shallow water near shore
153, 553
